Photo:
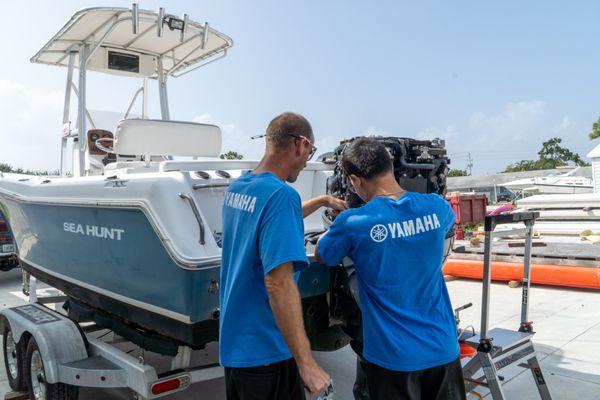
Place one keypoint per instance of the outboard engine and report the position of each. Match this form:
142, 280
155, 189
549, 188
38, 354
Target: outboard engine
419, 166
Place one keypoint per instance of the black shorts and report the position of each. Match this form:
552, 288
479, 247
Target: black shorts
444, 382
277, 381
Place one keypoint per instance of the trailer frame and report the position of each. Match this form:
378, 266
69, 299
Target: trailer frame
73, 356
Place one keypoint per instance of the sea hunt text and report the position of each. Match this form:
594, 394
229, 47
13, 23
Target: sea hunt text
93, 230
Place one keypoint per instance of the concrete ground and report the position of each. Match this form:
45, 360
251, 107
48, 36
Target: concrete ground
567, 322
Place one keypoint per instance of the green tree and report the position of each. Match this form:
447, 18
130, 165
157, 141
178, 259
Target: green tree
595, 133
552, 155
231, 155
5, 167
523, 165
456, 172
8, 168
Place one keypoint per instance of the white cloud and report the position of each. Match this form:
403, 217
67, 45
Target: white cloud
235, 139
564, 124
448, 133
30, 122
519, 122
514, 133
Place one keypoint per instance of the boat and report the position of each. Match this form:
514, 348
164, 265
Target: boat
567, 183
130, 231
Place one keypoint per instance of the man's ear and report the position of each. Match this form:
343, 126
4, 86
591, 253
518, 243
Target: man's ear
355, 180
298, 144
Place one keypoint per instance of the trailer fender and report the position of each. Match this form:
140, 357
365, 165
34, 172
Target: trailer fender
58, 338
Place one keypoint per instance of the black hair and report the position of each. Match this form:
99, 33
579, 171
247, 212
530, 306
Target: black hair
286, 124
367, 158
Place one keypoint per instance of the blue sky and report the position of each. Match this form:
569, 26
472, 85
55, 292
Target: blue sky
493, 79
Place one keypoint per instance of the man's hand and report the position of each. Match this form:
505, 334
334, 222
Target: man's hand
284, 300
314, 378
335, 203
312, 205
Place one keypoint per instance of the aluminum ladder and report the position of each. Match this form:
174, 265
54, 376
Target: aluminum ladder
498, 348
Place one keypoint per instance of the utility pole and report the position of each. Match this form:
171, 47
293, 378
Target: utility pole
469, 164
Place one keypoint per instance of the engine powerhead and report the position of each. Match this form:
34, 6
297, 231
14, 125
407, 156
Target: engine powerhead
419, 166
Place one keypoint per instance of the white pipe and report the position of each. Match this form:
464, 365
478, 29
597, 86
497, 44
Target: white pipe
162, 90
135, 18
184, 28
67, 106
145, 99
81, 108
205, 35
159, 21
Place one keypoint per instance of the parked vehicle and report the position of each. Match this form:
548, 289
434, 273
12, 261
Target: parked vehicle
8, 259
494, 193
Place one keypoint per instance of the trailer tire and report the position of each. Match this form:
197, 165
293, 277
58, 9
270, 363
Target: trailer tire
37, 386
14, 352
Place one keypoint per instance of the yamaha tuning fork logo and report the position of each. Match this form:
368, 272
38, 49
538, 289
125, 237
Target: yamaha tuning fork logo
404, 229
379, 233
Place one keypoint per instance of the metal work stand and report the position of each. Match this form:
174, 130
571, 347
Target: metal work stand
498, 348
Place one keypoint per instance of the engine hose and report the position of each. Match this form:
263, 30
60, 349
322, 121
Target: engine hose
407, 165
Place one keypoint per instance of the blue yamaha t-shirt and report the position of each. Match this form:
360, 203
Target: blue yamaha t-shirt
262, 229
397, 247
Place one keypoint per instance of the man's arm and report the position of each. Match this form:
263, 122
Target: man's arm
284, 299
335, 244
312, 205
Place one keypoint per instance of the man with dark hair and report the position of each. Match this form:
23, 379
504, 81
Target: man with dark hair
396, 241
263, 344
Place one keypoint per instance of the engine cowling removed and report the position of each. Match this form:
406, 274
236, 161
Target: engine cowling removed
419, 166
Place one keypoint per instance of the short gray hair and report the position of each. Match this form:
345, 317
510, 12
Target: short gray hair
284, 125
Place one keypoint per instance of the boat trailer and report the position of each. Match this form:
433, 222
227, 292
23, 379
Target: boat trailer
51, 354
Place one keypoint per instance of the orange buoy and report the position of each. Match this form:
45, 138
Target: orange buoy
544, 274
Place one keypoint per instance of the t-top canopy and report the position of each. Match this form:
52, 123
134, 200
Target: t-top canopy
182, 42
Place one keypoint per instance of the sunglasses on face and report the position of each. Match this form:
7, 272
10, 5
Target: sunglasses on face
313, 148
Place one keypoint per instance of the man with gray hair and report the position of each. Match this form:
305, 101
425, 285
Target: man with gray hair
263, 344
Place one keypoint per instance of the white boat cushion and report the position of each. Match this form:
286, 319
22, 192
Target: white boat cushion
167, 138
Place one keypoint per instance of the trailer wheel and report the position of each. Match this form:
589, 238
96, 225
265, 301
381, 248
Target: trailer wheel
13, 359
35, 375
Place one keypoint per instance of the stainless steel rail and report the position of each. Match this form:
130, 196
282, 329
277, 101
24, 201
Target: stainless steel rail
210, 185
192, 204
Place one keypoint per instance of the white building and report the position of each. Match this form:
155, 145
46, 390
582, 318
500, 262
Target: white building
594, 155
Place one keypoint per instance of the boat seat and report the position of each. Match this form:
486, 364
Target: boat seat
166, 138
